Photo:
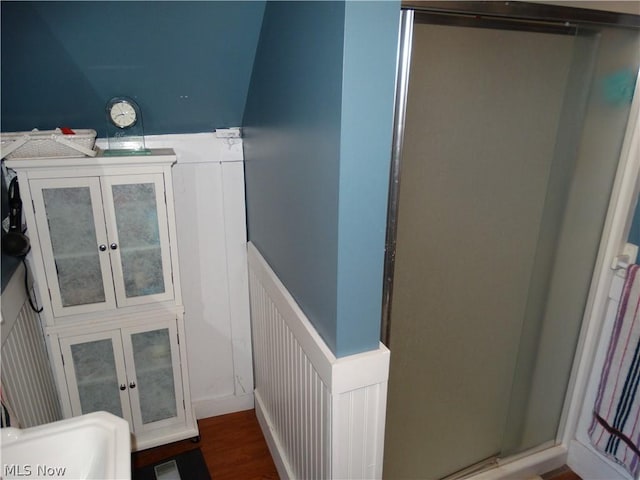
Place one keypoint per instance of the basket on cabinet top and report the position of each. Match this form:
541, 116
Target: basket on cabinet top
48, 144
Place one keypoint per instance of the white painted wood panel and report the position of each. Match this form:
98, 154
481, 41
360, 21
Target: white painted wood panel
233, 195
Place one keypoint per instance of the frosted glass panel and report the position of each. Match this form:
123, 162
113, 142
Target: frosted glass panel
552, 328
138, 233
154, 371
75, 250
95, 368
510, 150
473, 187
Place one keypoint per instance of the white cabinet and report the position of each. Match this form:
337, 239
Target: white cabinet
104, 257
133, 372
104, 240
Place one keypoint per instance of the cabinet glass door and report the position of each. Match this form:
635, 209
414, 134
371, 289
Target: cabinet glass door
73, 238
139, 239
95, 371
153, 366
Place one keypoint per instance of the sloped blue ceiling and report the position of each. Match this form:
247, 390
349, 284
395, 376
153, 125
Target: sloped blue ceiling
188, 64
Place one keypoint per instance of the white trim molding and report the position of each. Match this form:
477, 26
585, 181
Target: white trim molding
322, 416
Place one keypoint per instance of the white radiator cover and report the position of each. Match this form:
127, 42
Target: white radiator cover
322, 417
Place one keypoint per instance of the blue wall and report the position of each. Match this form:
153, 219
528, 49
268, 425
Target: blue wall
371, 31
188, 64
292, 152
317, 147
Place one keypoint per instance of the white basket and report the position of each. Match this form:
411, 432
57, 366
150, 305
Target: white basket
47, 144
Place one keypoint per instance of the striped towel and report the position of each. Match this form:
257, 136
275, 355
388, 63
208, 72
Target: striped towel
615, 430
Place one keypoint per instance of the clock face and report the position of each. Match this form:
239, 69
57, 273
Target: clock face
124, 126
123, 114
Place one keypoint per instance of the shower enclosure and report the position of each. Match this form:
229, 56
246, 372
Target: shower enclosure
509, 124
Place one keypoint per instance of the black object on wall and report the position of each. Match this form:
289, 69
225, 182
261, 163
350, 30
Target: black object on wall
9, 264
15, 242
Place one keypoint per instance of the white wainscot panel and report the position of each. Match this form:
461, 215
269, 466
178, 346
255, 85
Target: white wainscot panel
322, 417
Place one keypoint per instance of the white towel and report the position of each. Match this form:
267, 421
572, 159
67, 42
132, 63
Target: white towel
615, 430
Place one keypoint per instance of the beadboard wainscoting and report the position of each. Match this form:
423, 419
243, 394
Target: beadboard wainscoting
28, 388
322, 416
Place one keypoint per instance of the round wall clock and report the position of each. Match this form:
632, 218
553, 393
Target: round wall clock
125, 131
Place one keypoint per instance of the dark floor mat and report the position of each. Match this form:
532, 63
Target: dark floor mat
190, 466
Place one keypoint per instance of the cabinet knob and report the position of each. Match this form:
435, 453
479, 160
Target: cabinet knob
102, 247
113, 246
123, 386
132, 385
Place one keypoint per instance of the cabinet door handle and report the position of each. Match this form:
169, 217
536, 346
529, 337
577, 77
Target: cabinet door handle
123, 386
114, 246
132, 385
102, 247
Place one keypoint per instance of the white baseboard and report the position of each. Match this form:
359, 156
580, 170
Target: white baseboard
527, 466
590, 465
211, 407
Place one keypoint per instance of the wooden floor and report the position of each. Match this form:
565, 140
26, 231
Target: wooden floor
232, 445
563, 473
234, 448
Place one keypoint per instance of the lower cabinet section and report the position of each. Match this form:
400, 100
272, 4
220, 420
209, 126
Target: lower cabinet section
133, 370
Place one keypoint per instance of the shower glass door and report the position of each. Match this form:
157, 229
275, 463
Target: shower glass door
508, 157
594, 118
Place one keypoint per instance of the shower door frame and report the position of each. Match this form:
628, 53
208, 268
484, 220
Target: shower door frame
626, 187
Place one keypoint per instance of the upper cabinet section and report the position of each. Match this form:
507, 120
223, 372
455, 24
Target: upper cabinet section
103, 236
73, 239
138, 238
100, 236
